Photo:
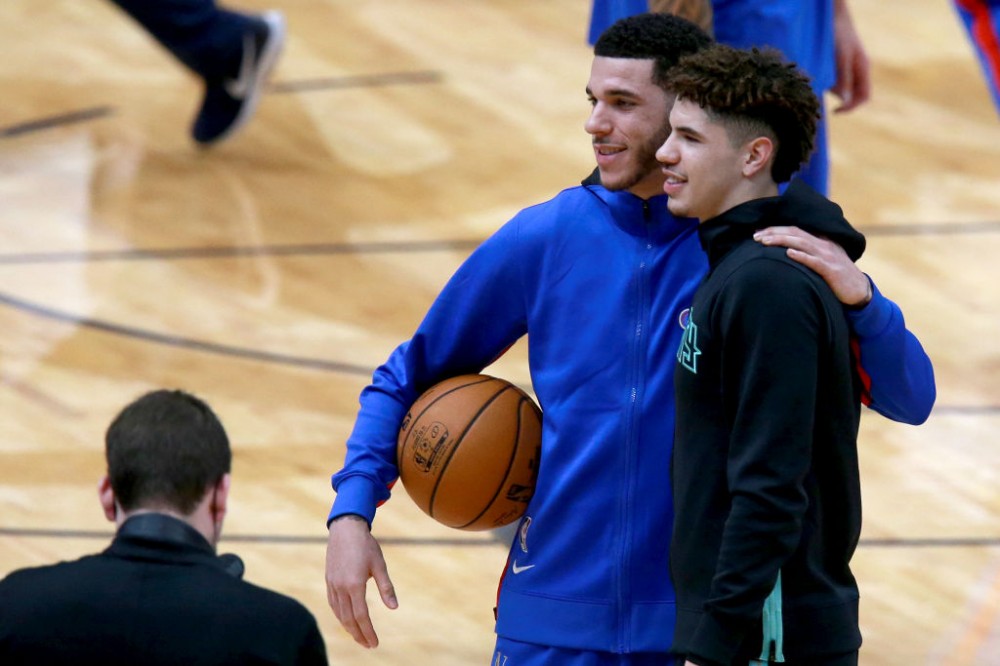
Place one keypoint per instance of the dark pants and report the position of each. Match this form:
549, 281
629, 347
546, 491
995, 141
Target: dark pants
205, 38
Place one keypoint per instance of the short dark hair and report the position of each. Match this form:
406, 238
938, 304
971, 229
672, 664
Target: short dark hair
753, 92
165, 449
663, 38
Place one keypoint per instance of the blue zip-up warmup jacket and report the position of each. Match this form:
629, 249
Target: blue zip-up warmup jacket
598, 280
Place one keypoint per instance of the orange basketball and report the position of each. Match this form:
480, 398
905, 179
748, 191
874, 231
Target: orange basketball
468, 452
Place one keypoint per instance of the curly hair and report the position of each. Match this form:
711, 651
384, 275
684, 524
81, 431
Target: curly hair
663, 38
753, 93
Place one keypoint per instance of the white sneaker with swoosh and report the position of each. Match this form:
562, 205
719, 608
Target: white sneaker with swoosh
243, 83
230, 103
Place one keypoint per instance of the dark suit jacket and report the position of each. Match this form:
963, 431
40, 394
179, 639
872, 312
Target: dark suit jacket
157, 595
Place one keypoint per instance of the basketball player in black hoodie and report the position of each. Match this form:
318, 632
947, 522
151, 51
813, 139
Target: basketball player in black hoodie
765, 468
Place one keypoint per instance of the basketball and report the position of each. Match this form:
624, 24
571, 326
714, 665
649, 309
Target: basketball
468, 452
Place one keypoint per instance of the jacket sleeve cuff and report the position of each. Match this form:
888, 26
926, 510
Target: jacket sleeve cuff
875, 317
355, 495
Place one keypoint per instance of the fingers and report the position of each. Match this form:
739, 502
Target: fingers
361, 623
843, 89
352, 557
343, 595
862, 79
820, 254
854, 83
827, 259
347, 600
341, 605
792, 238
385, 588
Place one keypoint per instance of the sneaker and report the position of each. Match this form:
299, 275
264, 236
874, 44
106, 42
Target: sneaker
229, 104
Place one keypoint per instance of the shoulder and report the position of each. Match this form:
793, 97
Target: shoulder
262, 599
563, 217
756, 265
573, 201
755, 278
272, 615
33, 576
26, 588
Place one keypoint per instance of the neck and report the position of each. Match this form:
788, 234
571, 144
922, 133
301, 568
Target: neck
646, 193
748, 191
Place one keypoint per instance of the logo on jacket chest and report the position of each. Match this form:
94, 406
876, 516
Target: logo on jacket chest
688, 352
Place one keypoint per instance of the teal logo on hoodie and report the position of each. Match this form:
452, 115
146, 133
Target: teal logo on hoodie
688, 353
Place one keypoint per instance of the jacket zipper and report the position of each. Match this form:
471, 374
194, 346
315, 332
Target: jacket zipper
637, 377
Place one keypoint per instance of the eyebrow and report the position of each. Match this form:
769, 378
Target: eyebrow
617, 92
687, 129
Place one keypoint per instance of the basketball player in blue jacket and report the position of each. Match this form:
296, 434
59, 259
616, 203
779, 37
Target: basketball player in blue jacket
600, 279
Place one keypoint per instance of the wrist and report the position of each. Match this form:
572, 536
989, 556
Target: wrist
354, 517
860, 305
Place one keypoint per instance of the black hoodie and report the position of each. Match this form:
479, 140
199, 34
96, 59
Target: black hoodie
765, 466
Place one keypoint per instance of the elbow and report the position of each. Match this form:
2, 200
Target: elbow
924, 410
921, 404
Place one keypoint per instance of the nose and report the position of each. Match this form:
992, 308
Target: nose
597, 124
667, 153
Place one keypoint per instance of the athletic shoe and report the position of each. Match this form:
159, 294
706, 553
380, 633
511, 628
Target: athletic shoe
230, 103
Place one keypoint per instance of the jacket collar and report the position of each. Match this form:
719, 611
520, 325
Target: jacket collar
799, 206
647, 218
157, 536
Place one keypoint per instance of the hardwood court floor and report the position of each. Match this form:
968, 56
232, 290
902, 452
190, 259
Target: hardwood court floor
272, 274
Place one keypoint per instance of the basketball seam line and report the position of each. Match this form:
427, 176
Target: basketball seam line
451, 454
406, 441
506, 474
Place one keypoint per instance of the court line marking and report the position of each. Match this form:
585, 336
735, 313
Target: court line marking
285, 87
309, 363
187, 343
183, 253
356, 81
38, 533
59, 120
382, 247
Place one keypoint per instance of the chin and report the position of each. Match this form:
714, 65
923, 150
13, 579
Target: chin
619, 181
613, 184
678, 210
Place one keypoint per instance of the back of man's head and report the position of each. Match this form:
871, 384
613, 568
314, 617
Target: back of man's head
753, 93
164, 451
663, 38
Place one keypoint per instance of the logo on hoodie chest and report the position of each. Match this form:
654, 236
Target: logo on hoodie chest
688, 352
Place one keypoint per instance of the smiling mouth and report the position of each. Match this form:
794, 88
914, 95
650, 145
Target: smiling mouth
606, 150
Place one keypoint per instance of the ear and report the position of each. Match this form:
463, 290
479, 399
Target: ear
220, 498
757, 154
107, 498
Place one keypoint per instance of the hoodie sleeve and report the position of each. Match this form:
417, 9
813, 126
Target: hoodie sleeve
901, 376
476, 317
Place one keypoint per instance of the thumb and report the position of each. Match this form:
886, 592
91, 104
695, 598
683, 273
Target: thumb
380, 574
